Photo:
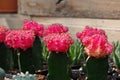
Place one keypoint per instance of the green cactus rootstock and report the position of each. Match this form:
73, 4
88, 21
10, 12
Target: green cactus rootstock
37, 54
58, 66
97, 68
2, 74
25, 76
31, 59
26, 62
6, 59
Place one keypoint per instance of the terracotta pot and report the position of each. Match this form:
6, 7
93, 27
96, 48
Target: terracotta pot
8, 5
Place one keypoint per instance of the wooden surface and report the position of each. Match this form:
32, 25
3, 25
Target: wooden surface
71, 8
112, 27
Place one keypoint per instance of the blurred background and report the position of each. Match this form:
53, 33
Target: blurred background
75, 14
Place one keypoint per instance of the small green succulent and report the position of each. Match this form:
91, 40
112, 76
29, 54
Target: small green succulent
76, 50
2, 74
26, 76
116, 54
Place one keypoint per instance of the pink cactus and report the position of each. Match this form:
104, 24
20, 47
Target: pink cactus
3, 30
95, 42
37, 28
98, 46
58, 42
19, 39
55, 28
89, 31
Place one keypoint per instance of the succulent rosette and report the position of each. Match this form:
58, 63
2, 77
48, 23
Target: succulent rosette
31, 25
58, 42
19, 39
55, 28
3, 30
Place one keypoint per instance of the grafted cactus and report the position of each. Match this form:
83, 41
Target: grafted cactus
59, 59
38, 29
97, 48
29, 49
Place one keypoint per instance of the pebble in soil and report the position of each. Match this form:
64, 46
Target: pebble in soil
113, 72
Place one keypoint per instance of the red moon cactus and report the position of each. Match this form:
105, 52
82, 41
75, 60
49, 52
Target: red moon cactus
31, 25
95, 42
58, 42
55, 28
19, 39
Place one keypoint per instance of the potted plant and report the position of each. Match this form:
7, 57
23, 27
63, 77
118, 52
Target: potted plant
97, 49
58, 41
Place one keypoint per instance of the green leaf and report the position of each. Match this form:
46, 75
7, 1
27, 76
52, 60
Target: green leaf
75, 52
117, 60
45, 52
116, 54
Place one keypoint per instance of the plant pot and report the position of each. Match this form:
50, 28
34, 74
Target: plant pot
8, 6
